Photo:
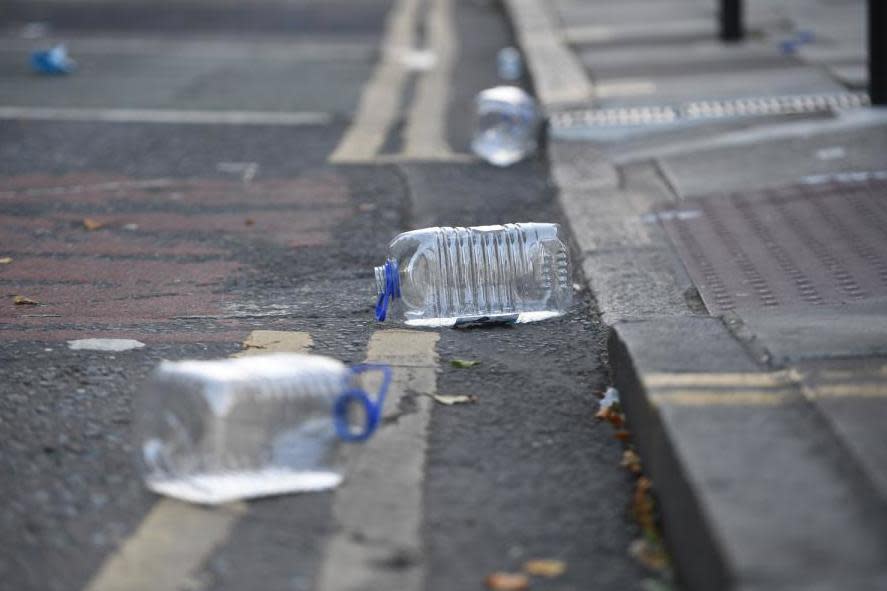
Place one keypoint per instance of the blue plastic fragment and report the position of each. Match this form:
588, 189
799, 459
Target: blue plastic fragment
53, 61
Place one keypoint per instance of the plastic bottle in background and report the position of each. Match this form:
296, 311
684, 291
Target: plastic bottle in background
509, 64
458, 276
506, 126
216, 431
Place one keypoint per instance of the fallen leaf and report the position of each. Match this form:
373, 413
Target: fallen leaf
21, 300
545, 567
622, 435
249, 222
450, 400
5, 260
631, 461
643, 508
92, 224
507, 582
463, 363
612, 415
650, 554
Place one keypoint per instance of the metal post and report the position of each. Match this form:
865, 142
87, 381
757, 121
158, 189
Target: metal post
878, 52
731, 20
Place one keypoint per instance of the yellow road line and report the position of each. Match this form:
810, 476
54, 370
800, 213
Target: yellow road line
175, 539
869, 390
380, 100
378, 509
425, 134
731, 379
721, 397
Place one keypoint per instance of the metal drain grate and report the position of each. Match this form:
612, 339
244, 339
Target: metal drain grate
710, 109
820, 242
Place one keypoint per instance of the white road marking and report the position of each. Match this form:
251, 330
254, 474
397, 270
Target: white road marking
113, 345
175, 538
425, 134
627, 87
207, 48
381, 97
379, 507
166, 116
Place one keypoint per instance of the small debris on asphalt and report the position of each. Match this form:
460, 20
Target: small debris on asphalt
249, 222
92, 224
545, 567
113, 345
631, 461
610, 410
53, 61
507, 581
650, 554
622, 435
131, 227
34, 30
21, 300
5, 260
611, 397
450, 400
642, 506
463, 363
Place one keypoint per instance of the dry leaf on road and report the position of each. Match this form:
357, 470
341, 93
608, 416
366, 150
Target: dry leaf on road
632, 461
463, 363
451, 399
92, 224
21, 300
507, 582
650, 554
545, 567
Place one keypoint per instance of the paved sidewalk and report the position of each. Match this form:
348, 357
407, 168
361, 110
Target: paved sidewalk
730, 205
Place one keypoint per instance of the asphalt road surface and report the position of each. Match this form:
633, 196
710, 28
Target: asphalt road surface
244, 166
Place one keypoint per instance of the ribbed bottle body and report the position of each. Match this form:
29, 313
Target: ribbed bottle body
212, 431
509, 273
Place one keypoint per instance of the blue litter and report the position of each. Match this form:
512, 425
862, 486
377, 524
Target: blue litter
53, 61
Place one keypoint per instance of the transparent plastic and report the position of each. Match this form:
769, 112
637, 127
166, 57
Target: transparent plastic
509, 64
215, 431
506, 126
456, 276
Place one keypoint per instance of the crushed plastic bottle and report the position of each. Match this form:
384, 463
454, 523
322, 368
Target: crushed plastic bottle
53, 61
506, 126
217, 431
509, 65
485, 274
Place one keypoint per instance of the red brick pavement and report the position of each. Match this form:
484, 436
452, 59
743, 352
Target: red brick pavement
158, 256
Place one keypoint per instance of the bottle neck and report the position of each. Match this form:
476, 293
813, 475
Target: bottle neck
380, 279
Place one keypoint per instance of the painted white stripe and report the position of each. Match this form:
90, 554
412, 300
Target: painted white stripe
166, 116
379, 507
175, 539
425, 134
380, 100
207, 48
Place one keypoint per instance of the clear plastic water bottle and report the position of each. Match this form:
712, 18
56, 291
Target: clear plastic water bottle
509, 64
459, 276
216, 431
506, 126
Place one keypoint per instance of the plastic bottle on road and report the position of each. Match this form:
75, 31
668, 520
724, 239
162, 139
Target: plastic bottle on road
509, 64
216, 431
460, 276
506, 126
